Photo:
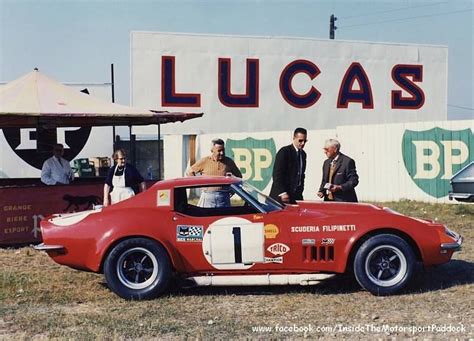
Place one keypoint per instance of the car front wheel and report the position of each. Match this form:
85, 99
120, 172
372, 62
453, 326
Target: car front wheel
137, 268
384, 264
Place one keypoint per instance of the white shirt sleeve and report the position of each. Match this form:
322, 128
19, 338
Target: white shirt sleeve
54, 172
68, 170
46, 173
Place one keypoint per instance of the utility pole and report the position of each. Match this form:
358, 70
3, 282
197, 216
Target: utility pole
112, 86
332, 27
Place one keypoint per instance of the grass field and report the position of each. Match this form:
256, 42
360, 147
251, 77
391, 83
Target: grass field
40, 299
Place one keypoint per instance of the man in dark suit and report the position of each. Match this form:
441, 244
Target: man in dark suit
339, 175
289, 168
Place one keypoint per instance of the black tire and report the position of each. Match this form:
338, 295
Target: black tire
137, 269
384, 264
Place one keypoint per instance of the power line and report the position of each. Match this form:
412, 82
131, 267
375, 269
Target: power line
392, 10
407, 18
460, 107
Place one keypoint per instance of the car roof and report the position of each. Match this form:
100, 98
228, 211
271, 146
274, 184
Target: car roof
198, 181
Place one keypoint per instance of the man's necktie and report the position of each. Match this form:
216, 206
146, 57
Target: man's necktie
300, 166
332, 170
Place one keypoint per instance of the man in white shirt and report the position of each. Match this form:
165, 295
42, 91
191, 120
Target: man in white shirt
56, 170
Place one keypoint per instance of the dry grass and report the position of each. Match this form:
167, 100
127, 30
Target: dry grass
42, 300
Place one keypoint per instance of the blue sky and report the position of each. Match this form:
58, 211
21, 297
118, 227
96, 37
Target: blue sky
77, 40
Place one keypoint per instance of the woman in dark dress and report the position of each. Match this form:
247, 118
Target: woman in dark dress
123, 180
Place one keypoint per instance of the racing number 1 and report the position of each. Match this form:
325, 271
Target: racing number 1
237, 244
234, 244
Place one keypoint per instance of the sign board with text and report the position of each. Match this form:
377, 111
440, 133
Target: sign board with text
251, 84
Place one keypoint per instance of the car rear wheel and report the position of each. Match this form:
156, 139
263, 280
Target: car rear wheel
137, 268
384, 264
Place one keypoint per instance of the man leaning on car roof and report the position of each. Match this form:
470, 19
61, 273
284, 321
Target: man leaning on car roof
217, 164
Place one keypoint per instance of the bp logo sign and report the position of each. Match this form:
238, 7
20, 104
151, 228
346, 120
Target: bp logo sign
432, 156
255, 159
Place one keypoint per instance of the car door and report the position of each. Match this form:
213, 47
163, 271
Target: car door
213, 239
281, 254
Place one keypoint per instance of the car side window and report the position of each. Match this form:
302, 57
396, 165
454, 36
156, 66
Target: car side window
180, 200
210, 201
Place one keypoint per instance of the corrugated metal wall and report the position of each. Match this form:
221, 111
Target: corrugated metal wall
394, 161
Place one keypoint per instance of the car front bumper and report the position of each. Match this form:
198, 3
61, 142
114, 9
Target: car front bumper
463, 197
46, 247
456, 246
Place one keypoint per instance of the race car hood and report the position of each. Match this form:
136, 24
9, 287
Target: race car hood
346, 209
337, 207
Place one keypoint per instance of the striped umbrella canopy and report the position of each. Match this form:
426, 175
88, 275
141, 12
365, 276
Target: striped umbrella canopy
37, 100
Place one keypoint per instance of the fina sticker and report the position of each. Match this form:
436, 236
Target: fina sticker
271, 231
278, 249
308, 241
189, 233
163, 197
278, 260
328, 241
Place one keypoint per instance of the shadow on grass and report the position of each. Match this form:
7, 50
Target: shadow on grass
335, 285
452, 274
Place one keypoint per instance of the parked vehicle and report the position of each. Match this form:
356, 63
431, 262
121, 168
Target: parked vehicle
463, 184
140, 243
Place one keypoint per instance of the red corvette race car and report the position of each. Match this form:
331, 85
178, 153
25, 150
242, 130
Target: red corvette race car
140, 243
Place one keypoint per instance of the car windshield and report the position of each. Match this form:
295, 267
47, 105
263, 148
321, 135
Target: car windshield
266, 203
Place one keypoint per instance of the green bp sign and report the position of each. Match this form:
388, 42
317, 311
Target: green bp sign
255, 159
432, 156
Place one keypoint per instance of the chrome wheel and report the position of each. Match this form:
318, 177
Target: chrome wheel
385, 265
137, 268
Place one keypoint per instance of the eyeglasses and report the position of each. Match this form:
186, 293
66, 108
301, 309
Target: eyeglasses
302, 140
120, 158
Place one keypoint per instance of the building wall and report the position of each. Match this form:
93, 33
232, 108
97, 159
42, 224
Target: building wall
251, 84
394, 161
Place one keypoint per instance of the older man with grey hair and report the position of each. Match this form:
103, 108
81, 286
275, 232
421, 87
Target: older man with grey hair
56, 170
339, 175
217, 164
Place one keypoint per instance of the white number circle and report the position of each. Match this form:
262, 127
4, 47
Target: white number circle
220, 242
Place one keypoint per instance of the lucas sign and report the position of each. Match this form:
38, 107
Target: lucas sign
248, 84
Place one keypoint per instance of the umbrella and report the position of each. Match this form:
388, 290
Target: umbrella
37, 100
